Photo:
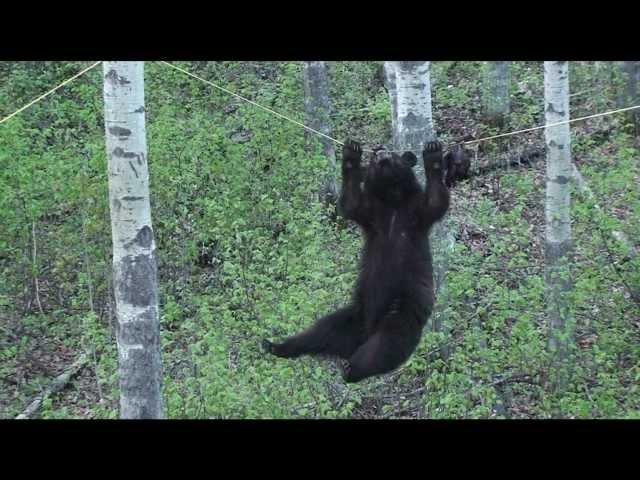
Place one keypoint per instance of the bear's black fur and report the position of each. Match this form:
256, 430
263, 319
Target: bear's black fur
394, 295
457, 163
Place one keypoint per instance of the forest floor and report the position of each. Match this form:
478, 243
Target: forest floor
496, 217
48, 356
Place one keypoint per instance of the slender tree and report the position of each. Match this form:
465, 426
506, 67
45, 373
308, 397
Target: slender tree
409, 87
413, 118
628, 94
134, 262
496, 102
558, 243
389, 70
317, 110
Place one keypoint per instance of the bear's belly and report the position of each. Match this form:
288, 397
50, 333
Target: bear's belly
394, 272
397, 256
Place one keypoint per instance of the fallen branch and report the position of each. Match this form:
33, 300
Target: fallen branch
35, 266
56, 385
584, 189
619, 236
635, 296
518, 378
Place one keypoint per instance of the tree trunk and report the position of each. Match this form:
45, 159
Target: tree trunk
134, 263
496, 92
558, 242
414, 123
317, 109
390, 84
409, 89
629, 74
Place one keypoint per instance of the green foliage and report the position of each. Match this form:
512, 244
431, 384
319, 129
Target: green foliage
246, 251
447, 91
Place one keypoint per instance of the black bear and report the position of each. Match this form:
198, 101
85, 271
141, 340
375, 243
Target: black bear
457, 163
394, 295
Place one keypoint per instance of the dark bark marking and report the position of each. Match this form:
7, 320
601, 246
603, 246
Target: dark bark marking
144, 237
113, 77
138, 279
134, 169
120, 131
120, 152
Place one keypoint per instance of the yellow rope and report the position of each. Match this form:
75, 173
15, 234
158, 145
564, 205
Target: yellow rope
515, 132
273, 112
251, 102
49, 92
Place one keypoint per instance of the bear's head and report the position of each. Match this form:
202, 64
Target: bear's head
390, 177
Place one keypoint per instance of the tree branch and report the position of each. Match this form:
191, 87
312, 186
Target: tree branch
56, 385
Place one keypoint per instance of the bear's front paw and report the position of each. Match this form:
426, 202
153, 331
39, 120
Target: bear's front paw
432, 147
432, 156
351, 153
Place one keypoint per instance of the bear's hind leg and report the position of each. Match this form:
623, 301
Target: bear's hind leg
383, 352
339, 333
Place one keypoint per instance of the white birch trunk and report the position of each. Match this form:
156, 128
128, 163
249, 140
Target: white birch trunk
390, 84
317, 110
496, 92
134, 263
628, 94
414, 122
558, 243
409, 89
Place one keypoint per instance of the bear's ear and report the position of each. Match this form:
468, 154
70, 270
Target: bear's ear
410, 158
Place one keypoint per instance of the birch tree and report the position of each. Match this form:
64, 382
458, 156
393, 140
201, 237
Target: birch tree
558, 243
390, 84
409, 88
411, 100
628, 95
134, 262
630, 73
496, 102
317, 109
